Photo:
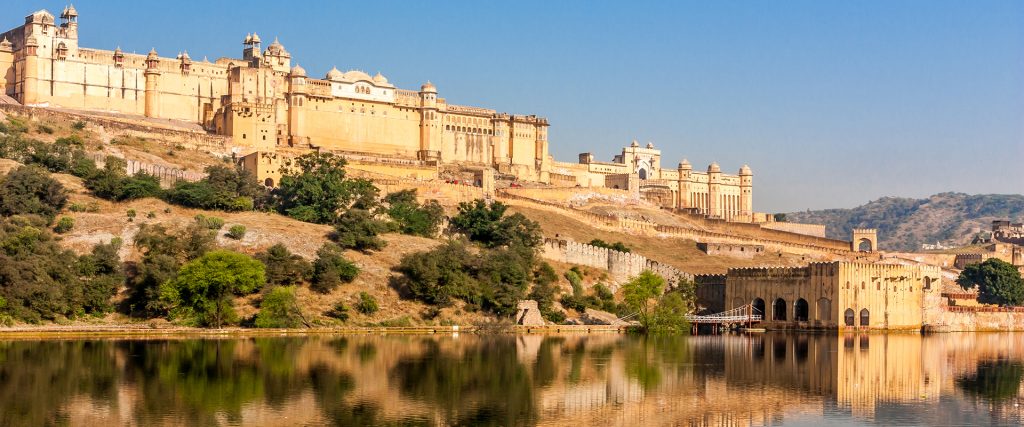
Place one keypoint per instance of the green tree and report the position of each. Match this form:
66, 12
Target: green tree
331, 269
223, 188
545, 292
283, 267
204, 289
316, 190
280, 309
487, 224
437, 276
669, 316
998, 282
31, 190
640, 294
412, 218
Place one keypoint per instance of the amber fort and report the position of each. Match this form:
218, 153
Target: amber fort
264, 109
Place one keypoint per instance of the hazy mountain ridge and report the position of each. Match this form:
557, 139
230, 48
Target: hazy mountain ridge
905, 223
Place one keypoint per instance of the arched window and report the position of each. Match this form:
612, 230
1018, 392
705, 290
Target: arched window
779, 309
865, 317
801, 310
849, 317
268, 182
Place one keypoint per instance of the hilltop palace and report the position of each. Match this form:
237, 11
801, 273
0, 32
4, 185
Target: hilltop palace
272, 110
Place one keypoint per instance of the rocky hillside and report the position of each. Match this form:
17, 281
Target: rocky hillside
904, 224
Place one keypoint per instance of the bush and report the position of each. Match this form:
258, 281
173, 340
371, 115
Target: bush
367, 304
131, 215
236, 232
79, 125
575, 281
76, 207
617, 246
209, 222
316, 190
544, 292
163, 253
488, 225
357, 229
412, 218
113, 183
29, 190
44, 129
64, 225
204, 289
150, 214
338, 311
223, 188
437, 276
331, 269
279, 309
284, 267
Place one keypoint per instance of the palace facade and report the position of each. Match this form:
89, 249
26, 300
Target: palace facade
264, 102
272, 110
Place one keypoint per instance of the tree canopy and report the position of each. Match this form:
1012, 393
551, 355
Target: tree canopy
998, 282
204, 289
30, 190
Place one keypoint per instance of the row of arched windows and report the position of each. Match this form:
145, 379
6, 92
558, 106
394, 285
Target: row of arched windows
801, 311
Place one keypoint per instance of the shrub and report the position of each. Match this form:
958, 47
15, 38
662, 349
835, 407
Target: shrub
331, 269
236, 232
209, 222
544, 292
437, 276
279, 309
223, 188
284, 267
338, 311
204, 289
64, 225
131, 215
113, 183
76, 207
412, 218
488, 225
30, 190
316, 191
164, 251
617, 246
92, 207
367, 304
44, 129
79, 125
575, 281
357, 229
150, 214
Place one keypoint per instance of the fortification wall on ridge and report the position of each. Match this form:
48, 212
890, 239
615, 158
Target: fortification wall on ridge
620, 265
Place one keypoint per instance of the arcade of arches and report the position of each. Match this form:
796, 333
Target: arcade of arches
836, 295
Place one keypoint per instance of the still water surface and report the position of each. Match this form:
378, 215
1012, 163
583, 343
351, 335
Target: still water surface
607, 380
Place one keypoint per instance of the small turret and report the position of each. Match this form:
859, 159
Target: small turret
298, 71
428, 87
685, 165
714, 168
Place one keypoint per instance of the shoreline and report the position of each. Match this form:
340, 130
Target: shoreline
142, 331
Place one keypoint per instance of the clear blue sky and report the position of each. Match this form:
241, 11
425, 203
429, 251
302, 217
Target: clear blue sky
831, 103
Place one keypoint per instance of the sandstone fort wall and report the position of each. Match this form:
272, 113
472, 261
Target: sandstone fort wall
621, 265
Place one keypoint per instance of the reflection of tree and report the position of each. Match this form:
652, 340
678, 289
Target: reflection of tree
38, 378
994, 380
483, 384
647, 355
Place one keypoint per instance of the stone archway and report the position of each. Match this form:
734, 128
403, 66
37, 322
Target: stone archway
758, 305
849, 317
779, 309
865, 317
801, 310
864, 240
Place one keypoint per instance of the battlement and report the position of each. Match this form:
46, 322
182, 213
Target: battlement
621, 265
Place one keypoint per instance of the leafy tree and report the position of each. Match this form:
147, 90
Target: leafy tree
669, 316
998, 282
113, 183
640, 294
412, 218
283, 267
331, 269
437, 276
163, 253
280, 309
102, 275
544, 292
316, 191
223, 188
504, 275
204, 289
367, 304
358, 229
488, 225
31, 190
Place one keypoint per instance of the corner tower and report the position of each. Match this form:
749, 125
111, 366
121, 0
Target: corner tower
746, 194
428, 123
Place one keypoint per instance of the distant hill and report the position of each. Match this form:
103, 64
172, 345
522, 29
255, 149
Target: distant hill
904, 224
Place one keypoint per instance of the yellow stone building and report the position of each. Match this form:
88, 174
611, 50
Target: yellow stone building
638, 169
264, 102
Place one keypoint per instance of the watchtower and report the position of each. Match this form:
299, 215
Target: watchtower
864, 240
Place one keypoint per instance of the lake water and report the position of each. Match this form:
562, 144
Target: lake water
599, 379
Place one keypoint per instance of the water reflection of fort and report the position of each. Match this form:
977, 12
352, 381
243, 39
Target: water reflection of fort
517, 380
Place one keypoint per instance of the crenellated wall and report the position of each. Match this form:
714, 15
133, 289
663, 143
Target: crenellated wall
621, 265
